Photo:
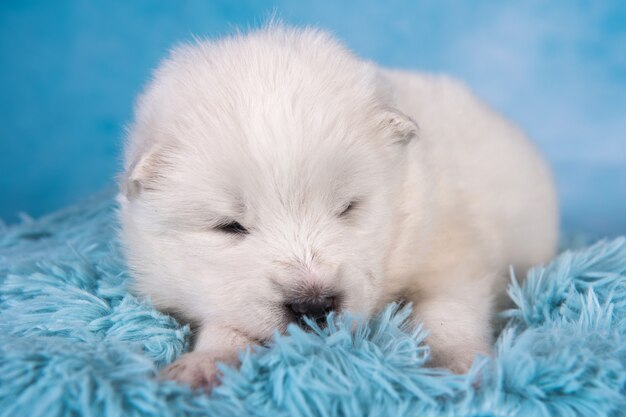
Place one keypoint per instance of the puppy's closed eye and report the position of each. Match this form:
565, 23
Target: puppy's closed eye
348, 208
232, 228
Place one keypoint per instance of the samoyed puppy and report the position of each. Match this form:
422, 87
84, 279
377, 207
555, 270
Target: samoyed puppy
275, 175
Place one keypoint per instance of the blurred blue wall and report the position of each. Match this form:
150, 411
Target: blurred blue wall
71, 69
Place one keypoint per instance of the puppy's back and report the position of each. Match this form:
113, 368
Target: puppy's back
487, 174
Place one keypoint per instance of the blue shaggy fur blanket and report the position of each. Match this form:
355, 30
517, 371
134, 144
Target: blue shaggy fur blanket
75, 342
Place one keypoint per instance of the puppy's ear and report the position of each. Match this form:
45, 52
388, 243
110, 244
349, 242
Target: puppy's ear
143, 174
397, 126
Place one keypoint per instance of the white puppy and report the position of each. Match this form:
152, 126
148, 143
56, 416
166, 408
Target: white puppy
274, 174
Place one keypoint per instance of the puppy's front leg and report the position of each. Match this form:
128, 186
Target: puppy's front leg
199, 368
459, 327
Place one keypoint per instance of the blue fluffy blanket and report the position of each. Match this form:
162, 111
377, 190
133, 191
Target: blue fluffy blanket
74, 342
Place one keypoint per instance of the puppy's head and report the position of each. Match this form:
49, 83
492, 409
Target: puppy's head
261, 172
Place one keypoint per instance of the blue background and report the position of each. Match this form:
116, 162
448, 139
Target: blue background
70, 72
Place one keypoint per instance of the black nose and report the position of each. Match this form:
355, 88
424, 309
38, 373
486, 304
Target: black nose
314, 308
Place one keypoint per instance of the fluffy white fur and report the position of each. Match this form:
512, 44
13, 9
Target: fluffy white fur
280, 130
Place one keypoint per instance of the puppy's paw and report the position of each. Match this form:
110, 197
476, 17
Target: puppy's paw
458, 359
197, 369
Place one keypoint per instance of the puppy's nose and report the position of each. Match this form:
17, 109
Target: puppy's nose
315, 308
